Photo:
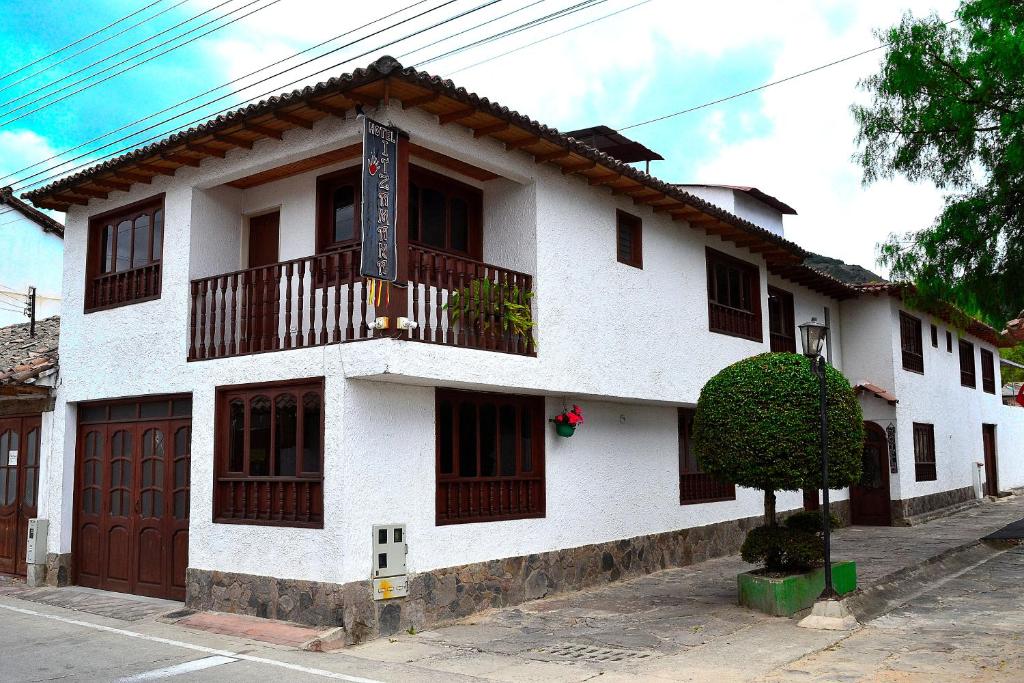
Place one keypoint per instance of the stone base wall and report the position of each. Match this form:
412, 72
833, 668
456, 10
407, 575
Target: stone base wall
444, 595
58, 569
905, 508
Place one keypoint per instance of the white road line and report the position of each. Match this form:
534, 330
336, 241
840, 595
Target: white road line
180, 669
190, 646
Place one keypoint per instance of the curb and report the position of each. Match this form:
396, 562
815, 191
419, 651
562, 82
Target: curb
904, 584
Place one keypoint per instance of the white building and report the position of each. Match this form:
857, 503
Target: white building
33, 245
230, 426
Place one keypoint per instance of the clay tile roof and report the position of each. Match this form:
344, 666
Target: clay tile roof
23, 358
763, 197
7, 198
385, 77
876, 390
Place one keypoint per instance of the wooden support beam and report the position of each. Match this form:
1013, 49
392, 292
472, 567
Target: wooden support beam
419, 100
490, 130
233, 140
133, 177
569, 170
72, 200
524, 142
293, 119
206, 149
98, 194
603, 179
363, 98
647, 198
456, 115
112, 184
551, 156
181, 159
627, 189
157, 170
326, 108
264, 130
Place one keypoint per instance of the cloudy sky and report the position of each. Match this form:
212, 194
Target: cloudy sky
613, 62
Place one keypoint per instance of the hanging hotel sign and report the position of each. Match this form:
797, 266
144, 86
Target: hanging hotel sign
380, 201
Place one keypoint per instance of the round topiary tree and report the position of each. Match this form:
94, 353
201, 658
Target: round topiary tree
758, 425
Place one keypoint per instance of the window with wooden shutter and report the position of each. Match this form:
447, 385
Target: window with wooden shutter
124, 255
935, 336
696, 486
911, 344
781, 322
988, 372
734, 296
924, 452
489, 457
629, 239
269, 454
968, 376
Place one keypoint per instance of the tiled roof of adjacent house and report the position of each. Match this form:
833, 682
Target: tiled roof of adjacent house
24, 358
759, 195
48, 224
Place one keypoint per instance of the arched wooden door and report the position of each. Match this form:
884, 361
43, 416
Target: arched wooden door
869, 498
19, 488
132, 500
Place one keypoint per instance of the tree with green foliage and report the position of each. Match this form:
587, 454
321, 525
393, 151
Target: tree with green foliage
947, 108
758, 425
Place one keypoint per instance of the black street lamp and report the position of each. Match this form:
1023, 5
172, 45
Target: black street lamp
812, 336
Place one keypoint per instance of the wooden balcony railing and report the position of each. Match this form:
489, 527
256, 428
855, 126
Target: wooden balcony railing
490, 498
321, 299
461, 302
734, 321
293, 500
123, 287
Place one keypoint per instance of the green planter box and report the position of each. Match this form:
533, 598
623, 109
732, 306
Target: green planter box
787, 595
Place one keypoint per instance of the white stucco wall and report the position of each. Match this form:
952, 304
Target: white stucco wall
31, 258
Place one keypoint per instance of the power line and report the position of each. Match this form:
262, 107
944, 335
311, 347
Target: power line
206, 117
543, 40
93, 46
76, 42
128, 59
206, 92
489, 21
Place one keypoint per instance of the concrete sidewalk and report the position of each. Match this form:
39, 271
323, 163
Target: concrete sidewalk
680, 624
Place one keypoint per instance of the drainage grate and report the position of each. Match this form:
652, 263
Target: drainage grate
592, 653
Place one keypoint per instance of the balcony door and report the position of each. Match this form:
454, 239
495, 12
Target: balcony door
264, 236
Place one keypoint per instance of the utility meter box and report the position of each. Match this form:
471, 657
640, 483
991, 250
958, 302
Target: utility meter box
389, 551
35, 547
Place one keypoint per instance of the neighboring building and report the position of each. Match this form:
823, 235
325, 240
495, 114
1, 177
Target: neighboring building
33, 245
28, 374
234, 423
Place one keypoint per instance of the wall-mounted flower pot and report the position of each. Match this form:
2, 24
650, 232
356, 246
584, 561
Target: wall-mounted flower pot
565, 429
784, 596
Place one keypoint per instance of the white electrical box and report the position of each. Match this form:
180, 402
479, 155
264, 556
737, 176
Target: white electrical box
389, 551
35, 547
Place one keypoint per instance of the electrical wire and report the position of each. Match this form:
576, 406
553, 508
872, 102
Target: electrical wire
455, 35
128, 59
93, 46
278, 89
206, 92
80, 40
547, 38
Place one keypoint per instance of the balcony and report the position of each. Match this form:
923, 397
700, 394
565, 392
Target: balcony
320, 300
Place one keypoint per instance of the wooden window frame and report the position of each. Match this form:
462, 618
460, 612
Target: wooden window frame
95, 253
968, 370
925, 465
949, 342
325, 185
290, 500
780, 341
137, 402
495, 491
634, 224
911, 333
696, 487
752, 274
988, 371
935, 336
451, 189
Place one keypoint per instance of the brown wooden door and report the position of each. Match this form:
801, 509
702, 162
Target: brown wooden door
263, 239
19, 488
988, 436
869, 498
132, 507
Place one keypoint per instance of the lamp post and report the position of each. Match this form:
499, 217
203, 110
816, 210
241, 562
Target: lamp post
812, 337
